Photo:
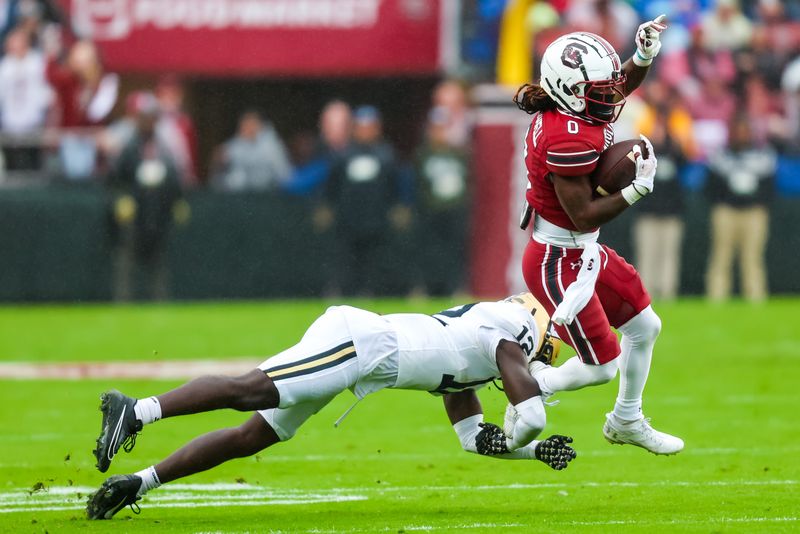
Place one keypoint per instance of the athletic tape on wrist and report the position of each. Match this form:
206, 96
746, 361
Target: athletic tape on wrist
640, 61
631, 195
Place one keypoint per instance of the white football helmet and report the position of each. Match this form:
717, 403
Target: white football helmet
583, 74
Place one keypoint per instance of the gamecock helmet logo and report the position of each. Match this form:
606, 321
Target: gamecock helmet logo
572, 56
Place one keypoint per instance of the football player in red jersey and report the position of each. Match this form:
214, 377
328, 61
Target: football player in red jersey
580, 94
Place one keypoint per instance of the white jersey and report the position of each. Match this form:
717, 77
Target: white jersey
449, 351
349, 348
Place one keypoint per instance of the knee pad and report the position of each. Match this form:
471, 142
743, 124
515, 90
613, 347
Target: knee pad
644, 327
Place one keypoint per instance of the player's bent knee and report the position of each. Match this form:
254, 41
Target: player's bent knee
605, 373
651, 325
256, 391
644, 327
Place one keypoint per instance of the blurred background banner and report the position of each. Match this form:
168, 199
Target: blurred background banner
258, 37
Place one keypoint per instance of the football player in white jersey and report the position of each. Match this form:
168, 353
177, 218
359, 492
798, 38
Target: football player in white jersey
451, 353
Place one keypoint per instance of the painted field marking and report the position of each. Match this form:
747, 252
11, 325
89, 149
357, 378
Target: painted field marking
483, 526
64, 498
61, 498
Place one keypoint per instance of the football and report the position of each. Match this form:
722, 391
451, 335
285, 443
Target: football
616, 167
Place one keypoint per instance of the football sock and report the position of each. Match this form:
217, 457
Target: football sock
149, 480
147, 410
573, 374
638, 338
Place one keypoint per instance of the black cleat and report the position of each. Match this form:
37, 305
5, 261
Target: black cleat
115, 494
119, 429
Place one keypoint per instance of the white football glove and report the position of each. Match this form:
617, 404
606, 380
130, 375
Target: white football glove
645, 172
648, 41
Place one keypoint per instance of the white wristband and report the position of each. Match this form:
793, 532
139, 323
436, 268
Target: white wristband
640, 61
531, 422
631, 195
466, 430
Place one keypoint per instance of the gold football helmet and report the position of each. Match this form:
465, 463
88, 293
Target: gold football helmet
549, 344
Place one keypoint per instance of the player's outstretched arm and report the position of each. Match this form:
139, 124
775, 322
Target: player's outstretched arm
553, 451
466, 415
648, 44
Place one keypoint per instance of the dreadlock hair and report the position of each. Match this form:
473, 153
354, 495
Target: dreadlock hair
531, 98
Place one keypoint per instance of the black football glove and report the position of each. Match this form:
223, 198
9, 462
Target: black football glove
491, 440
555, 452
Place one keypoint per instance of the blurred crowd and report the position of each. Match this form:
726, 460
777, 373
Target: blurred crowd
374, 207
722, 107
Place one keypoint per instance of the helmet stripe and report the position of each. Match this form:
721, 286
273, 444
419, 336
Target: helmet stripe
591, 37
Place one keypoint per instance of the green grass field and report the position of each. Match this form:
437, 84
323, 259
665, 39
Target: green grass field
725, 378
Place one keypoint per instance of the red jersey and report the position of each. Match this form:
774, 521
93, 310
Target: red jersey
565, 145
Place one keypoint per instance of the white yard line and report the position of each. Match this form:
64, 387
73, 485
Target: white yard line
60, 498
711, 520
677, 522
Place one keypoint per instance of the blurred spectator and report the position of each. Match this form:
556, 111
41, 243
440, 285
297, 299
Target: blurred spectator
254, 160
615, 20
117, 135
760, 59
37, 18
148, 198
687, 70
85, 93
24, 98
84, 96
765, 110
663, 106
790, 84
310, 168
780, 32
177, 130
363, 196
336, 126
712, 111
313, 158
726, 27
9, 15
452, 97
658, 229
703, 77
443, 204
740, 183
480, 33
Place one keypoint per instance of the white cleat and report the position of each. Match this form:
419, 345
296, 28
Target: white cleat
641, 434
